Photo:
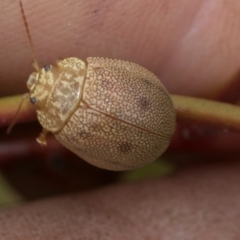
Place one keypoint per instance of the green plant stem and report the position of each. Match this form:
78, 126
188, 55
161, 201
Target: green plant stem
188, 109
207, 112
8, 109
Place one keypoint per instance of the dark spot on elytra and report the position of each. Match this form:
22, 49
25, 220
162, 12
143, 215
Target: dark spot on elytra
125, 147
146, 81
143, 103
84, 134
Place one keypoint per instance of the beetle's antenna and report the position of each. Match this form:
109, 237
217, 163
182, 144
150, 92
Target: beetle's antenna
26, 95
35, 64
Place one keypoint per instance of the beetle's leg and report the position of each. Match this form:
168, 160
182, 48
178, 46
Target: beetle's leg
42, 137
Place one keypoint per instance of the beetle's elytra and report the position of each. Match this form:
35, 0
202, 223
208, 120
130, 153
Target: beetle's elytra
114, 114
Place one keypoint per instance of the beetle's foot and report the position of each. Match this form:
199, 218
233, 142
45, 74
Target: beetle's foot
42, 138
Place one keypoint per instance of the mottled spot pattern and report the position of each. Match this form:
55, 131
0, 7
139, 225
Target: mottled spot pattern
114, 114
128, 121
125, 147
131, 93
109, 143
143, 103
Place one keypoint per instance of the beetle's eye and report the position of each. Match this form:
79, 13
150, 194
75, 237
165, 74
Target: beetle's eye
47, 68
33, 100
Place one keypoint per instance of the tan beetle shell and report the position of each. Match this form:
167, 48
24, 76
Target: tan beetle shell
114, 114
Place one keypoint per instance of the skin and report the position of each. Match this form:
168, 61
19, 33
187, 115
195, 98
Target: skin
192, 46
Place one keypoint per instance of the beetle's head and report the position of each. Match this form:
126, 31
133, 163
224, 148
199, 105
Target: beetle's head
40, 85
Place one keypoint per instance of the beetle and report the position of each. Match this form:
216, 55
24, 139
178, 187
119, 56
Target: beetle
114, 114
